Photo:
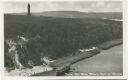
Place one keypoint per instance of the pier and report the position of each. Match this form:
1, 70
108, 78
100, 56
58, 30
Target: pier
62, 66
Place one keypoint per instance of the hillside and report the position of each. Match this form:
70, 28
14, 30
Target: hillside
60, 36
77, 14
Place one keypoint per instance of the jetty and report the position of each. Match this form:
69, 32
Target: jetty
62, 66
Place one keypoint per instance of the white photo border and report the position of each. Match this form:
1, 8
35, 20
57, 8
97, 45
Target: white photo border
125, 47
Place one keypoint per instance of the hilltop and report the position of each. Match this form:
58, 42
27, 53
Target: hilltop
76, 14
60, 36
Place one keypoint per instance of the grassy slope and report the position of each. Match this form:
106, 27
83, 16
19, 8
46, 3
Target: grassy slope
61, 36
77, 14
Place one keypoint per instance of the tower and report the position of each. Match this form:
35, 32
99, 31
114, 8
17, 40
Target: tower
29, 7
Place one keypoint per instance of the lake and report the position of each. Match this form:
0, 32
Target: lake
108, 62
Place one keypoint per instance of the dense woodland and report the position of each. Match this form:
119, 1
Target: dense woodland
59, 36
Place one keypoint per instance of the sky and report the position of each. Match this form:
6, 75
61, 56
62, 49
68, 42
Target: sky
83, 6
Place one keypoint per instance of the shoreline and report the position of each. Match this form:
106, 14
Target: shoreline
73, 59
103, 46
28, 71
107, 63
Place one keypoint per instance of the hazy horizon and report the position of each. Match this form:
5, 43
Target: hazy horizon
60, 11
82, 6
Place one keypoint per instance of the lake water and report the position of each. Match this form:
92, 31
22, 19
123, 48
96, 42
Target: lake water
108, 62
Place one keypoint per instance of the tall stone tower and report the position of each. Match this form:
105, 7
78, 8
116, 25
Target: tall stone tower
29, 7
